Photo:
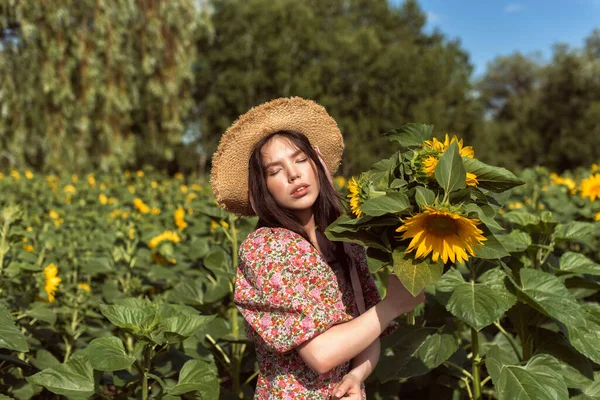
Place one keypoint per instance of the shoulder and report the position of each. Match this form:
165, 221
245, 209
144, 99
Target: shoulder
265, 241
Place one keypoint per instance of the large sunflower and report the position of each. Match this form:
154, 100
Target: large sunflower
590, 187
443, 233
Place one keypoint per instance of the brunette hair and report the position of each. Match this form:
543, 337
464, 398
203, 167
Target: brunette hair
328, 206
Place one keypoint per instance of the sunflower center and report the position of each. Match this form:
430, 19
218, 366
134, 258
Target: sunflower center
441, 225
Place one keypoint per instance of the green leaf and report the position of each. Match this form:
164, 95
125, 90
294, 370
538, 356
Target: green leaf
217, 259
415, 274
495, 359
586, 337
424, 197
73, 378
42, 312
44, 359
416, 351
521, 218
516, 241
411, 135
575, 369
491, 249
197, 375
134, 315
10, 336
548, 294
97, 266
476, 304
179, 327
533, 381
591, 391
485, 213
574, 230
577, 263
391, 203
491, 178
450, 172
108, 354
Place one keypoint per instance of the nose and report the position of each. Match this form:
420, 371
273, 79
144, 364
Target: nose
293, 175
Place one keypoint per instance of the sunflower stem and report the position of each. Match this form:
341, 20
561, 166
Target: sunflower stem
476, 363
410, 317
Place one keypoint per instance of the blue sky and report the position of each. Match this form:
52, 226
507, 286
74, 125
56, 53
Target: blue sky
489, 28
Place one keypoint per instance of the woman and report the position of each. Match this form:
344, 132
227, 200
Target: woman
302, 296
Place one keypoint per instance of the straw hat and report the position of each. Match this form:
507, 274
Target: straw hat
229, 174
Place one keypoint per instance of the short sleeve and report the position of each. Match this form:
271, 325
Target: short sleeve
370, 292
282, 292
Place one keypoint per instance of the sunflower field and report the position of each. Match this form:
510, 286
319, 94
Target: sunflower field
120, 285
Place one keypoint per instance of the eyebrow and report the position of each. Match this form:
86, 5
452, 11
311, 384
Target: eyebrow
267, 166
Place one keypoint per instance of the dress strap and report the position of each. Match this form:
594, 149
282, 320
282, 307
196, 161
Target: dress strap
357, 288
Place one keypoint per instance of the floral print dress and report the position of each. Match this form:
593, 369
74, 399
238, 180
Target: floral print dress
288, 294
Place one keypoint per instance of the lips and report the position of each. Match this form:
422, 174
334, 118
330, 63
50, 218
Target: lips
298, 186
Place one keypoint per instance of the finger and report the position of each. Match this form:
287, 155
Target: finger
341, 389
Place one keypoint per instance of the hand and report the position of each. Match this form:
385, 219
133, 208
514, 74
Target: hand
400, 298
348, 388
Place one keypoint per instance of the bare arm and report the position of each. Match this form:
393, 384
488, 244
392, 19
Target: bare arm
345, 341
364, 363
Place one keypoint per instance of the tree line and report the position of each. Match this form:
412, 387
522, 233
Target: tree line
91, 85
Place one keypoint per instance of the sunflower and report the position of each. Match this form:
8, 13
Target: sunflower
429, 165
434, 144
472, 179
180, 218
446, 234
52, 281
354, 197
590, 187
170, 236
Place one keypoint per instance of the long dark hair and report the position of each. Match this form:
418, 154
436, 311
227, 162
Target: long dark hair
328, 206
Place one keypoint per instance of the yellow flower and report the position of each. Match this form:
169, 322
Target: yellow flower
340, 181
213, 225
91, 180
131, 233
28, 248
28, 174
515, 206
465, 151
190, 197
102, 199
595, 167
53, 214
85, 287
224, 224
180, 218
196, 187
166, 235
178, 176
52, 281
70, 189
184, 189
29, 229
15, 174
74, 178
446, 235
154, 184
131, 189
354, 196
472, 179
102, 186
558, 180
111, 200
597, 216
155, 210
429, 165
590, 187
140, 173
141, 206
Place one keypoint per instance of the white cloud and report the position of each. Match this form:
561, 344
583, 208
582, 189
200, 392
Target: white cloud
432, 17
514, 8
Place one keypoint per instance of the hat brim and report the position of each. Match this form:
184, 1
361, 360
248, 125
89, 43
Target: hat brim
229, 173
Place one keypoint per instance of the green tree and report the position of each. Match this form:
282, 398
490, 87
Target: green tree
94, 84
370, 64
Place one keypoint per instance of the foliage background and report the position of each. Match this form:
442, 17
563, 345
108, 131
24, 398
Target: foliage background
95, 84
